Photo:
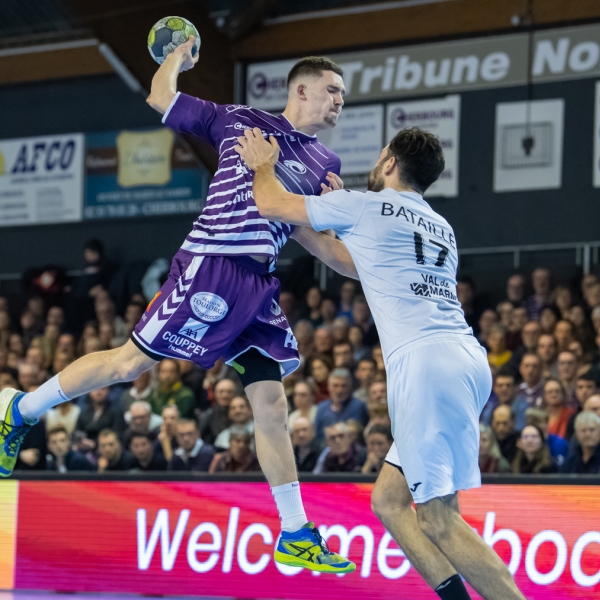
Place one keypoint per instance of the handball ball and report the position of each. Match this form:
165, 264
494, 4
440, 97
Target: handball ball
167, 34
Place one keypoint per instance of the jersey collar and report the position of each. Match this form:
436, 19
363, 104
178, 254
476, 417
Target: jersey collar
288, 123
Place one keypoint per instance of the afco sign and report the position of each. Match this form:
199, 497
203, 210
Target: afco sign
444, 67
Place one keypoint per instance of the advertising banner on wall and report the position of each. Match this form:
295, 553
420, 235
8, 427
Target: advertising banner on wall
445, 67
597, 137
140, 174
442, 118
529, 145
41, 179
216, 539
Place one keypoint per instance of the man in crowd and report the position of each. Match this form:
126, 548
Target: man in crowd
142, 448
540, 280
564, 334
239, 458
142, 420
306, 446
140, 390
193, 454
343, 356
170, 390
98, 414
240, 414
323, 341
341, 455
364, 374
341, 405
61, 457
503, 425
567, 366
530, 334
503, 395
515, 290
29, 376
112, 457
216, 419
585, 457
379, 441
361, 316
166, 441
585, 388
529, 393
547, 351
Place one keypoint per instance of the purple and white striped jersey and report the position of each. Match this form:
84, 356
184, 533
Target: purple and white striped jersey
230, 223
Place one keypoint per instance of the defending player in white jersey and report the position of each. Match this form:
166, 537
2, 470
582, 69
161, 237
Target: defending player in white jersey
438, 377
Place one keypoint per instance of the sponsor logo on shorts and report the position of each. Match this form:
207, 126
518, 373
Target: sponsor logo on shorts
183, 345
194, 329
209, 307
295, 166
275, 308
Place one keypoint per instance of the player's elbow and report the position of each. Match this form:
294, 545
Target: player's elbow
158, 102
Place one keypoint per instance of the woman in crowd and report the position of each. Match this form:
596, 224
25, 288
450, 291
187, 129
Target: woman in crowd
549, 317
490, 457
319, 368
555, 402
533, 455
313, 303
304, 403
498, 354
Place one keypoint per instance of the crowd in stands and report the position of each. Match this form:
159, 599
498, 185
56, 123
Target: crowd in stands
543, 415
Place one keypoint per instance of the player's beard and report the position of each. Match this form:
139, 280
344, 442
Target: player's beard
376, 183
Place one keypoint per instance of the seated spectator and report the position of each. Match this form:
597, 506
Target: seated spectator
304, 333
503, 393
355, 337
533, 455
112, 457
192, 376
64, 415
547, 350
559, 448
379, 441
141, 420
585, 457
549, 317
378, 390
33, 452
567, 366
141, 389
304, 403
377, 356
339, 329
530, 392
504, 310
361, 316
61, 361
490, 457
67, 343
343, 456
487, 320
343, 357
592, 404
328, 312
347, 295
170, 390
216, 419
530, 334
356, 431
29, 377
503, 426
515, 290
306, 447
240, 415
193, 454
556, 405
498, 354
378, 415
323, 341
319, 368
341, 405
239, 458
98, 414
540, 280
562, 299
166, 441
564, 333
518, 320
61, 458
142, 448
314, 299
365, 375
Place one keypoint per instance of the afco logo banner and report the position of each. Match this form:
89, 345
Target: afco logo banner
41, 179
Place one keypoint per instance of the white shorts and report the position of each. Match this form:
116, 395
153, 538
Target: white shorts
437, 389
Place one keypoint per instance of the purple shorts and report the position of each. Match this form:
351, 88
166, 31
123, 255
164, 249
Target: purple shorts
213, 306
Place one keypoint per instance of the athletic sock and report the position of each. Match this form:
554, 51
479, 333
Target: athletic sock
33, 405
289, 504
452, 588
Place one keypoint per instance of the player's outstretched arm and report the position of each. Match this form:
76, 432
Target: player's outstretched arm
164, 82
331, 251
273, 201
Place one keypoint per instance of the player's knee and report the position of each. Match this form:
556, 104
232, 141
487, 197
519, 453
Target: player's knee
434, 523
130, 365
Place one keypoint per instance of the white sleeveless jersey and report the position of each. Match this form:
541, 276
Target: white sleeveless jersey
406, 257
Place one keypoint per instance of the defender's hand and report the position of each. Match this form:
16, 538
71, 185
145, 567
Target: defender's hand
255, 150
335, 183
184, 53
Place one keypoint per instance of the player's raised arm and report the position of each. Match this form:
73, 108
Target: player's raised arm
164, 82
273, 201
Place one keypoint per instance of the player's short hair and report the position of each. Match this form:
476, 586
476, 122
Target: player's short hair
420, 157
313, 66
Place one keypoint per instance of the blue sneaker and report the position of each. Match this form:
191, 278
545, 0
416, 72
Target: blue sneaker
13, 429
307, 548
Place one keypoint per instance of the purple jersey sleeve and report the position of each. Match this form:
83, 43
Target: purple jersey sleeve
198, 117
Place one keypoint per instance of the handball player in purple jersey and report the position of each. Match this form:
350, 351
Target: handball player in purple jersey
220, 298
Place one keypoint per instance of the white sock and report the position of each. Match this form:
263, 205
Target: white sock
33, 405
289, 504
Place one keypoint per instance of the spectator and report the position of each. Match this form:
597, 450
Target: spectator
555, 403
549, 317
540, 279
567, 366
377, 355
61, 361
313, 304
593, 296
530, 392
530, 334
239, 458
192, 376
166, 441
356, 429
490, 457
504, 311
585, 457
304, 404
32, 456
339, 329
503, 426
347, 295
518, 320
487, 320
465, 291
287, 301
503, 395
343, 456
216, 419
365, 375
319, 368
133, 315
379, 441
341, 405
592, 404
323, 341
559, 448
343, 356
97, 415
63, 415
67, 343
142, 448
547, 351
378, 415
193, 454
361, 316
378, 391
240, 415
112, 457
29, 377
170, 390
61, 458
304, 333
328, 311
533, 455
355, 337
306, 447
498, 355
585, 388
142, 420
583, 328
564, 333
562, 299
141, 389
515, 290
